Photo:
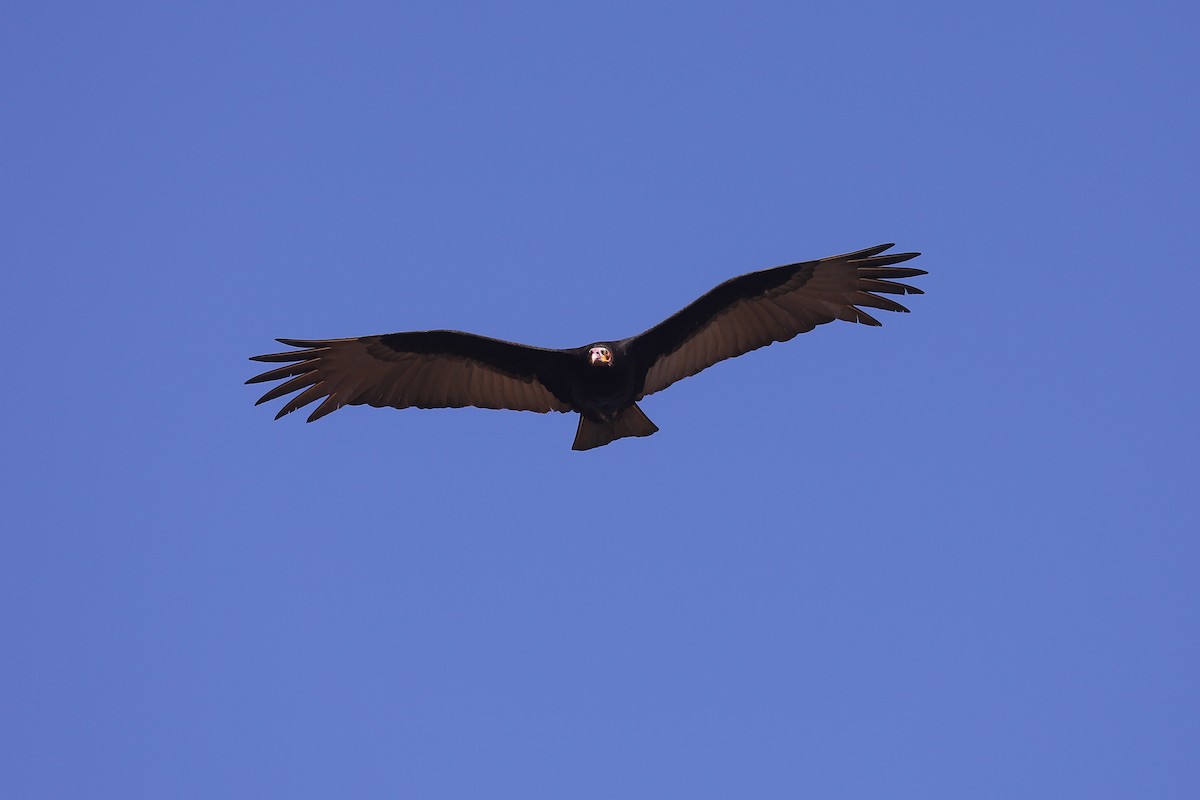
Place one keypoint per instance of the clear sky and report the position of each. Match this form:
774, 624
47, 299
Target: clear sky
952, 557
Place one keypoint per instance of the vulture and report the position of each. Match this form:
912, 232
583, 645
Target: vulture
602, 381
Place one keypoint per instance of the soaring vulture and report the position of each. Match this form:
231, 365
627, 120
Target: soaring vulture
602, 381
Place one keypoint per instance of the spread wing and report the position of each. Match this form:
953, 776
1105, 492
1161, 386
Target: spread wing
773, 305
426, 369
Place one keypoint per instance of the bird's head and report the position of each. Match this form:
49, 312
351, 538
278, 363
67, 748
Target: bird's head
600, 356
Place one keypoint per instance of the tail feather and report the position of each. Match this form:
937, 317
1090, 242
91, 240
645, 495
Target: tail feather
631, 422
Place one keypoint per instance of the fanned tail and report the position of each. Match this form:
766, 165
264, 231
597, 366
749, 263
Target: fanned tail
631, 422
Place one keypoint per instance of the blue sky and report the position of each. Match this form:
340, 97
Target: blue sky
952, 557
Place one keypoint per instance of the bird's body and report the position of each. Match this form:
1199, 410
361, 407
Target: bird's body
602, 381
601, 390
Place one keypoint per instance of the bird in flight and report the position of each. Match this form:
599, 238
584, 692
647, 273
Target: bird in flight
602, 381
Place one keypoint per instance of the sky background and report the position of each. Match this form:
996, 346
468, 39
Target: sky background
953, 557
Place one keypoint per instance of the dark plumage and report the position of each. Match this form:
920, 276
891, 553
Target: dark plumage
601, 381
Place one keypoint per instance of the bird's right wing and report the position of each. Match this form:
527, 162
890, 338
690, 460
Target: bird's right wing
426, 369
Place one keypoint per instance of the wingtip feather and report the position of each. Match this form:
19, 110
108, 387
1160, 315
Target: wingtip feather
307, 343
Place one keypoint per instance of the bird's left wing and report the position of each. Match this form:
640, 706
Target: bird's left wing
772, 305
426, 369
